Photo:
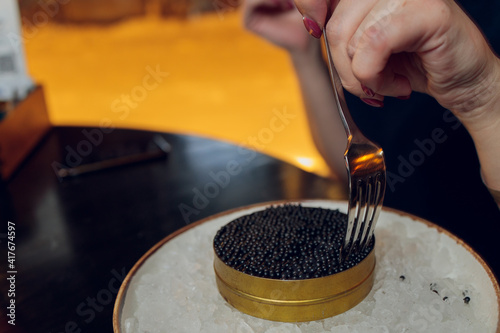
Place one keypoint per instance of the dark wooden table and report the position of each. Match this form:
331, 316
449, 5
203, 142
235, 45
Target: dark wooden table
76, 238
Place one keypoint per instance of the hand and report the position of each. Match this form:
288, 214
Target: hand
279, 22
391, 47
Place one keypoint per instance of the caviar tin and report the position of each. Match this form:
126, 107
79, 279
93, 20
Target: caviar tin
295, 300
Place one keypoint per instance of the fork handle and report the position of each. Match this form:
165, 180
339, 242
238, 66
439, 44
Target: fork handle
350, 126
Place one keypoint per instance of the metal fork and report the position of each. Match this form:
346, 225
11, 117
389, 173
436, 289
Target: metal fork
365, 165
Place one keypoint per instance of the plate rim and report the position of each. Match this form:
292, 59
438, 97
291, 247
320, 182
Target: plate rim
120, 297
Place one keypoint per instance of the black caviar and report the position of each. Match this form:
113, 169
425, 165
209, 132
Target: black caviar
288, 242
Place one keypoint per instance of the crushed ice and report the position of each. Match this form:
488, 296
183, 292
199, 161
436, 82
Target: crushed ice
421, 285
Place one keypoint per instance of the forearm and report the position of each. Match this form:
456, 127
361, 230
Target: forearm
488, 150
324, 120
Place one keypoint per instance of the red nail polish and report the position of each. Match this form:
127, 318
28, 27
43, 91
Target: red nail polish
367, 91
373, 102
312, 27
404, 98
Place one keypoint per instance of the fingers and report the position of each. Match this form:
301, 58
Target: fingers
314, 13
348, 15
391, 47
345, 31
371, 41
377, 45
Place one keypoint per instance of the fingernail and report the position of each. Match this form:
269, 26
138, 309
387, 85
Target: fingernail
373, 102
312, 27
404, 98
367, 91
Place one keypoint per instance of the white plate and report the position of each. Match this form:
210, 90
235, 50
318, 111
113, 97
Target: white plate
172, 287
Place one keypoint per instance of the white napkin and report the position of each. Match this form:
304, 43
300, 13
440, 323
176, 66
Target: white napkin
15, 82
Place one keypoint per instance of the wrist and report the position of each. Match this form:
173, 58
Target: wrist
481, 118
483, 124
480, 112
496, 196
494, 193
305, 58
487, 143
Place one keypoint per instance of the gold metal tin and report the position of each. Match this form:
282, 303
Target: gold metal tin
295, 300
